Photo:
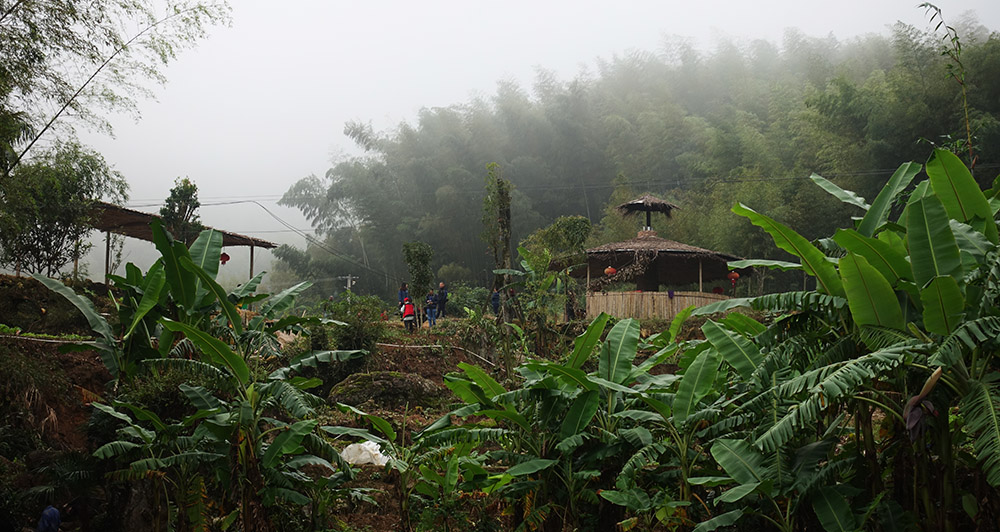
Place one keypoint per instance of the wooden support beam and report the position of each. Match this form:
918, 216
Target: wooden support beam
107, 257
700, 289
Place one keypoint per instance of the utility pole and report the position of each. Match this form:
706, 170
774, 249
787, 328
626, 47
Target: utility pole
351, 279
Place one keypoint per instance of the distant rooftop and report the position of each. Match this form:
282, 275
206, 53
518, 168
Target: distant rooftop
135, 224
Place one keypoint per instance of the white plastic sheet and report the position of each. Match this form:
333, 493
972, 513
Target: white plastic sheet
364, 453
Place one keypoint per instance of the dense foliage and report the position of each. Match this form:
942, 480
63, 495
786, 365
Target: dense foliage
46, 209
53, 51
748, 121
870, 403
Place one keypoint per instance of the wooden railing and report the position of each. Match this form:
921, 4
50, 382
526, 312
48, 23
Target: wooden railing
646, 304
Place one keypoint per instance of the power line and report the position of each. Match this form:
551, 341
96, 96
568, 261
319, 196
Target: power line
318, 243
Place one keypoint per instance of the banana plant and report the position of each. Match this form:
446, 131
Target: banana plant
564, 433
896, 300
253, 436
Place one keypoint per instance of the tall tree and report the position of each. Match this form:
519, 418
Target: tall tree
47, 206
66, 56
180, 212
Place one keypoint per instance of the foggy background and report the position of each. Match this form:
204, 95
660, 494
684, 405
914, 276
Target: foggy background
262, 104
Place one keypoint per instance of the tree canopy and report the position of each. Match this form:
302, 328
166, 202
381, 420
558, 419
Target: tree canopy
748, 120
46, 207
56, 55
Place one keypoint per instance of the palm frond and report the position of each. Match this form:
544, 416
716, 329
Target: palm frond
191, 366
968, 336
648, 455
877, 338
824, 386
981, 407
800, 301
298, 403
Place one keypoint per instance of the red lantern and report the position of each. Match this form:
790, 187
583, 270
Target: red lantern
609, 271
224, 258
733, 276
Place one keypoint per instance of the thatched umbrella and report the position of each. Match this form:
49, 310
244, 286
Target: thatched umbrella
648, 204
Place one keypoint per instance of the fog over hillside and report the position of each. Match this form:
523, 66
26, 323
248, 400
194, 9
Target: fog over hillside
263, 103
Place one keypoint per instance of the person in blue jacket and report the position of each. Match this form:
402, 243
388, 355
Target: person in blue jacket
50, 520
404, 292
442, 299
495, 301
430, 308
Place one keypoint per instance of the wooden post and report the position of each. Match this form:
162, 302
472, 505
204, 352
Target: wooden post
699, 276
107, 257
251, 261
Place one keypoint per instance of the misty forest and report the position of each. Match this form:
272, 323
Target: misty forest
750, 288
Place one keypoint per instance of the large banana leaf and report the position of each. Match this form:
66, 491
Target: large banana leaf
216, 350
215, 290
833, 510
696, 383
529, 467
205, 252
813, 260
959, 192
584, 344
933, 250
782, 265
889, 261
284, 300
845, 196
720, 520
288, 441
869, 295
150, 296
182, 283
973, 245
618, 351
943, 303
878, 213
580, 413
491, 388
735, 349
740, 460
97, 322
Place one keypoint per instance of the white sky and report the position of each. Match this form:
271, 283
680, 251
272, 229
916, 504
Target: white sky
261, 104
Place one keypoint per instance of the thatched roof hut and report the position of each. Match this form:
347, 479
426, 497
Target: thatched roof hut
650, 261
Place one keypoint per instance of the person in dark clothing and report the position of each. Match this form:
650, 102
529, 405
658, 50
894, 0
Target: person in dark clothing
495, 301
430, 309
50, 520
404, 292
442, 299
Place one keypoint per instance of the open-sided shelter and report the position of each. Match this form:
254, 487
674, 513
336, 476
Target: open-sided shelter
110, 218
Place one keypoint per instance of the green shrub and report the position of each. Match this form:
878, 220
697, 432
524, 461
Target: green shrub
463, 295
362, 316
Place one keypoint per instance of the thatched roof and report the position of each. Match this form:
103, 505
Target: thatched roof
648, 241
647, 203
135, 224
672, 263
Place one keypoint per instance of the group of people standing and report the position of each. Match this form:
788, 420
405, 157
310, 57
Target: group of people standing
433, 309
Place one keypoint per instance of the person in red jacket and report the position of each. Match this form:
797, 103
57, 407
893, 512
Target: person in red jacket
409, 314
